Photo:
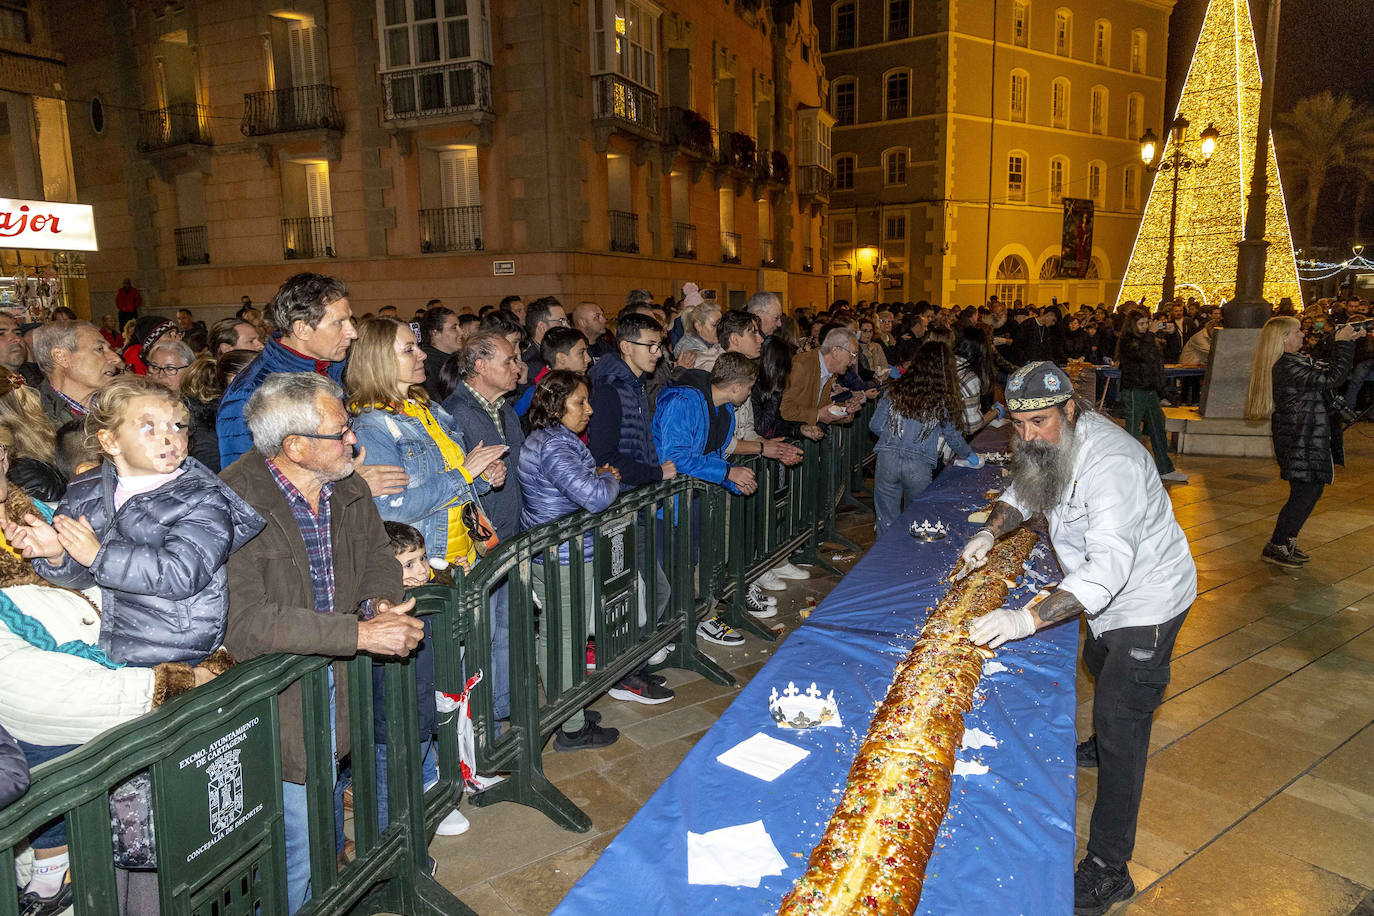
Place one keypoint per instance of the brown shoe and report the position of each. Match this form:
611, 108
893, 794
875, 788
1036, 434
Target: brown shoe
350, 852
348, 799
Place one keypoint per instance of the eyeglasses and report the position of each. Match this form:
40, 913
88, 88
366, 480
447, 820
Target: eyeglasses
335, 437
166, 370
653, 347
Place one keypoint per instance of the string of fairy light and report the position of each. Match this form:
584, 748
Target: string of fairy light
1313, 270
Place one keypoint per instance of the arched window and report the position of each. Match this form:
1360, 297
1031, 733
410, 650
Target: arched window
1020, 87
894, 167
897, 94
845, 27
1095, 188
1020, 22
1135, 116
844, 99
1063, 32
1050, 269
1099, 110
1059, 178
1130, 188
1138, 51
844, 173
1102, 42
1010, 282
1059, 103
1016, 176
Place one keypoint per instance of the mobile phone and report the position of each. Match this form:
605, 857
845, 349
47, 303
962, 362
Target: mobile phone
842, 396
415, 329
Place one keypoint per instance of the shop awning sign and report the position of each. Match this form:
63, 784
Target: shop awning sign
45, 224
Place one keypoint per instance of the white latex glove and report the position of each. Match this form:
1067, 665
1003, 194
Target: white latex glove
1002, 625
975, 553
974, 460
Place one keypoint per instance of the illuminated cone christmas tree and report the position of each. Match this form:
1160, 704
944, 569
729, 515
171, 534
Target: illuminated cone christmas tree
1223, 88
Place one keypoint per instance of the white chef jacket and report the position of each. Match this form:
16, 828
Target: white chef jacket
1124, 556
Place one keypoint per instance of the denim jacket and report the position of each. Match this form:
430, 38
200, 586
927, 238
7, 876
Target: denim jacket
909, 438
394, 438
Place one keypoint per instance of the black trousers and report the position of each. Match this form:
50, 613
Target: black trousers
1131, 669
1302, 499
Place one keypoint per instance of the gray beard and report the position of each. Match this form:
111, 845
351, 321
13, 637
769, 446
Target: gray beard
1041, 472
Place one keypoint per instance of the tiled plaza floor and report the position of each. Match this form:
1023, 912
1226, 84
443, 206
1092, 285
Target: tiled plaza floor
1259, 797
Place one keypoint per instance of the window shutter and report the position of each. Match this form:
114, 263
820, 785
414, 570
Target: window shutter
317, 190
308, 67
458, 180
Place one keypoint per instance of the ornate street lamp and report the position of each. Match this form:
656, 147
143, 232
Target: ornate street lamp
1176, 161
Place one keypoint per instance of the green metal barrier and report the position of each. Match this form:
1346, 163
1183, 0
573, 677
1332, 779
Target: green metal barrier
214, 756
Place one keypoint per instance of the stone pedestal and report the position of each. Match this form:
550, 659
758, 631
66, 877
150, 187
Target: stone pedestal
1222, 428
1238, 438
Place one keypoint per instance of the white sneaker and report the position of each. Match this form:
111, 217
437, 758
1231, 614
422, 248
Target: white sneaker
661, 655
770, 582
789, 571
453, 825
758, 605
717, 631
1175, 476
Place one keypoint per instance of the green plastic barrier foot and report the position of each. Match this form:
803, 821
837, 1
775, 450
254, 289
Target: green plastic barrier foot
741, 619
834, 537
535, 791
426, 897
691, 659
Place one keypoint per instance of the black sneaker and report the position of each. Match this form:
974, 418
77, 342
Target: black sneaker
1280, 555
30, 904
658, 679
637, 689
1300, 555
1097, 886
1087, 752
590, 735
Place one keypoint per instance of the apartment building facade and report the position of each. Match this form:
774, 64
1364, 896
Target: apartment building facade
959, 129
452, 149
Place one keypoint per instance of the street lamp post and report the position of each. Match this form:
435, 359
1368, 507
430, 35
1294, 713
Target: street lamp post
1176, 161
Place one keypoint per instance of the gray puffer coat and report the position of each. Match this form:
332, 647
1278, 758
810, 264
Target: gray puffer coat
160, 568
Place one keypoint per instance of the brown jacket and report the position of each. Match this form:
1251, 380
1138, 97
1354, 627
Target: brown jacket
803, 395
271, 602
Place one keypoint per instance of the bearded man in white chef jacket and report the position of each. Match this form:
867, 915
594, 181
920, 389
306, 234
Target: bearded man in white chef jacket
1126, 567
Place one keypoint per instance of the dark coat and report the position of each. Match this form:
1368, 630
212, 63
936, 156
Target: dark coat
1034, 341
14, 769
620, 433
1307, 438
37, 478
502, 505
204, 438
272, 604
161, 564
1141, 363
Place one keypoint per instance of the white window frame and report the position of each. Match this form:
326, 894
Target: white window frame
625, 40
479, 35
887, 77
1139, 43
853, 168
813, 136
1020, 23
1102, 42
1059, 184
1098, 110
1063, 32
1059, 108
890, 157
1018, 90
1097, 183
1016, 190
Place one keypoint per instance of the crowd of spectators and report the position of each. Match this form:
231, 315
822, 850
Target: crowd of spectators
276, 481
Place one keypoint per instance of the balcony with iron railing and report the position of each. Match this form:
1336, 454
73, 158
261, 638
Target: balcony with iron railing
280, 111
729, 247
738, 152
689, 131
620, 104
772, 166
808, 259
685, 241
458, 89
175, 125
308, 237
766, 253
624, 231
192, 245
814, 181
451, 229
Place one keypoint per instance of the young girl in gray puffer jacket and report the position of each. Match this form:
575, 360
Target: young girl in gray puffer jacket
150, 526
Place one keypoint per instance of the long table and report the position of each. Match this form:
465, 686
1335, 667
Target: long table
1007, 843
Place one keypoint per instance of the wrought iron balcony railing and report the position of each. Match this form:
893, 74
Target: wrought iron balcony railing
624, 231
193, 245
308, 237
737, 151
729, 247
279, 111
814, 181
184, 122
689, 131
451, 229
684, 241
766, 253
438, 91
620, 102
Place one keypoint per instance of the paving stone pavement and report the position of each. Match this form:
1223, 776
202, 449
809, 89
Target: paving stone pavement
1259, 798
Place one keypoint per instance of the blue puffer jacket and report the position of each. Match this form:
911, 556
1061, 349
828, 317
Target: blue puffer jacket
234, 437
682, 426
557, 477
394, 438
620, 432
161, 564
909, 438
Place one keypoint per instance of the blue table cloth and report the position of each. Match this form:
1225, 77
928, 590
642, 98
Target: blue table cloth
1007, 843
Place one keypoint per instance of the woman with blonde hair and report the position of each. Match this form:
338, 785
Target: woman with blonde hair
30, 441
1291, 390
699, 323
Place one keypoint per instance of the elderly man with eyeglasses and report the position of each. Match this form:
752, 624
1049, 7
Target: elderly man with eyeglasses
813, 387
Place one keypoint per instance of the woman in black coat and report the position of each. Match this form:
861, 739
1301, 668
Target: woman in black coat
1142, 385
1292, 391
